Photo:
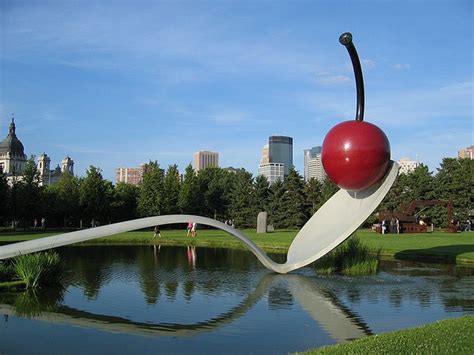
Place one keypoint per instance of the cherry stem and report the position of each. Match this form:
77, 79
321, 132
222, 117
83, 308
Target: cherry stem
346, 40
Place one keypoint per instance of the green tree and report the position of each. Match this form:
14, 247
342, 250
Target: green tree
68, 198
313, 195
171, 187
150, 200
294, 200
328, 189
189, 194
94, 196
262, 193
125, 202
276, 209
243, 207
418, 184
28, 194
455, 181
4, 196
212, 187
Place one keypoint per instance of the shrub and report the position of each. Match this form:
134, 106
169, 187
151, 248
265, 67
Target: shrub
39, 269
350, 258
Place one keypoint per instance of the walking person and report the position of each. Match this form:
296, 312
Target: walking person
157, 232
193, 230
189, 228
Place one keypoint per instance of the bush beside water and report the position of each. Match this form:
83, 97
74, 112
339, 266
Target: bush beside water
39, 269
350, 258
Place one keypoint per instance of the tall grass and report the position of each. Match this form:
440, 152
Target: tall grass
6, 271
350, 258
39, 269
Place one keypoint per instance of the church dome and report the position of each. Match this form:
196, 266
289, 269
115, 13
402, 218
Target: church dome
11, 143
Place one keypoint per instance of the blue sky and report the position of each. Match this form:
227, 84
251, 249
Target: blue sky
117, 83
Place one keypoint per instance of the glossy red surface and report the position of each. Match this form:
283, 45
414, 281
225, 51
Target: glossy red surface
355, 154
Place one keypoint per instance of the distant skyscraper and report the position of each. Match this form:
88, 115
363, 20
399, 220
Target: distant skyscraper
265, 155
280, 150
466, 153
203, 159
272, 171
313, 167
407, 165
130, 175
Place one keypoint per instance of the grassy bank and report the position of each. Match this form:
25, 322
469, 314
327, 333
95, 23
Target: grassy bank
434, 247
452, 336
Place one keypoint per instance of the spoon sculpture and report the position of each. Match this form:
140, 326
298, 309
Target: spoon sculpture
355, 155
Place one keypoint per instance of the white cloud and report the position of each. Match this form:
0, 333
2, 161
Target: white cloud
332, 79
401, 66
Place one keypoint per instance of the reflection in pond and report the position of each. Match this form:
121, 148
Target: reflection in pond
176, 298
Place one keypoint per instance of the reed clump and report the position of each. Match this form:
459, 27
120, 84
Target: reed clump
39, 269
350, 258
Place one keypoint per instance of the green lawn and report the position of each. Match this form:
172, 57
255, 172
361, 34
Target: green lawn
437, 246
452, 336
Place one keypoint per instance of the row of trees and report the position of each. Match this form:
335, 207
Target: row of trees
212, 192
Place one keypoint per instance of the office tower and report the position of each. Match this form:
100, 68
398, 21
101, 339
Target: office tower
130, 175
272, 171
203, 159
466, 153
280, 150
407, 165
312, 157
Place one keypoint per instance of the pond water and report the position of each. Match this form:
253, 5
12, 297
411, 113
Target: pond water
145, 299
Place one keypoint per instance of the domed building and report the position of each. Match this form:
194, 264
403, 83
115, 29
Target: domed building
13, 160
12, 153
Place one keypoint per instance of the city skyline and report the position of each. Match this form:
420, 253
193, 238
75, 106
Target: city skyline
121, 85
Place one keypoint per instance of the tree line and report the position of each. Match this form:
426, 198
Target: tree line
212, 192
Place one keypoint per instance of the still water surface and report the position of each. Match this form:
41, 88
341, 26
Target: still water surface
137, 299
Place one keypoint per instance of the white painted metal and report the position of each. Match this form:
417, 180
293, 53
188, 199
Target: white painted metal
335, 221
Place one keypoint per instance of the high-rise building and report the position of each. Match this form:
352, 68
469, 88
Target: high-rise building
203, 159
272, 171
130, 175
280, 150
265, 155
466, 153
313, 167
407, 165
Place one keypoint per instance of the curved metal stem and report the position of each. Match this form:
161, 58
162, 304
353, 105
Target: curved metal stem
346, 40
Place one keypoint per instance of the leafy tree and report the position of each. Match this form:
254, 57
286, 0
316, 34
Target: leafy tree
68, 197
94, 196
454, 182
328, 189
313, 195
150, 200
262, 192
243, 207
125, 202
4, 195
171, 189
276, 209
212, 187
294, 200
189, 194
28, 194
418, 184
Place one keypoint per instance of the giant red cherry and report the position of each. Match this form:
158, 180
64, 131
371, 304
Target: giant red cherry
355, 154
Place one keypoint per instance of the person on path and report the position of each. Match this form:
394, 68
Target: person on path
157, 232
189, 228
193, 230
